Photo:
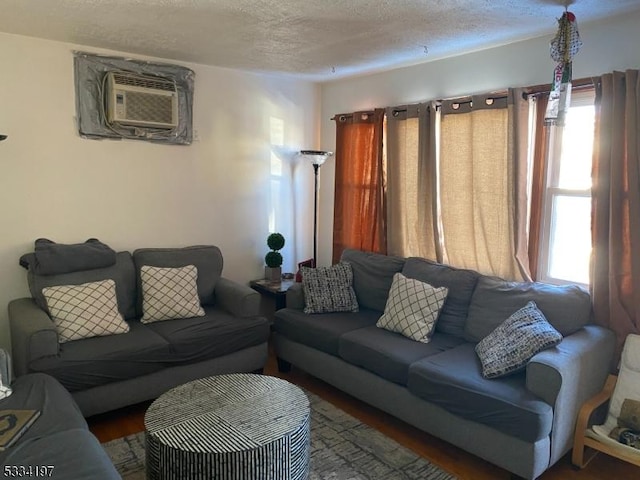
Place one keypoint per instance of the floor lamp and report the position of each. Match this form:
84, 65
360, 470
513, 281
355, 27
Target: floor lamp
316, 158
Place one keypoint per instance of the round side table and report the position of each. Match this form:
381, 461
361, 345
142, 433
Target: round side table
235, 427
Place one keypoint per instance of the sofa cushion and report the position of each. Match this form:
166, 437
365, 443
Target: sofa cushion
122, 273
51, 258
82, 364
329, 289
169, 293
206, 258
372, 276
512, 344
321, 331
566, 307
453, 380
215, 334
83, 311
412, 308
460, 283
390, 354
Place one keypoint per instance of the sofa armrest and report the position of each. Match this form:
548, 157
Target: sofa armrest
33, 334
295, 296
240, 300
568, 375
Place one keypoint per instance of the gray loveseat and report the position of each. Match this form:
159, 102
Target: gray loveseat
523, 422
108, 372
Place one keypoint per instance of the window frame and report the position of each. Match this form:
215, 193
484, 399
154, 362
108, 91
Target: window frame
552, 191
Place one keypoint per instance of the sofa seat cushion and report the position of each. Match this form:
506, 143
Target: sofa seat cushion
215, 334
390, 354
91, 362
453, 380
322, 331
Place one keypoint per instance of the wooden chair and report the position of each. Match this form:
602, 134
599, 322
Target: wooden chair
585, 435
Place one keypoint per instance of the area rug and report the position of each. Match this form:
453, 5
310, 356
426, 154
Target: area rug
342, 448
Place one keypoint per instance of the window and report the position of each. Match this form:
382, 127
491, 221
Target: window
565, 247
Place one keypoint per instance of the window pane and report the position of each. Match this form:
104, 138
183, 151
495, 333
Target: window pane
577, 148
570, 242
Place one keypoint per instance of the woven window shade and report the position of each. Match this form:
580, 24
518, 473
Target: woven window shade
476, 191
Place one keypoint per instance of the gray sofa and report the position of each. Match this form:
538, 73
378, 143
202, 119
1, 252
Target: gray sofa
59, 443
108, 372
523, 422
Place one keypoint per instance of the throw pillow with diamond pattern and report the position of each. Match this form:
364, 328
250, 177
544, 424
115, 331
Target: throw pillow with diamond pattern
329, 289
512, 344
169, 293
83, 311
412, 308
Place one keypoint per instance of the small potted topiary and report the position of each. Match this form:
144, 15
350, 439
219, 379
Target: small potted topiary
273, 259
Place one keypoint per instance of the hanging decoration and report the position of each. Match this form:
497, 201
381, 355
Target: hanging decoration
564, 47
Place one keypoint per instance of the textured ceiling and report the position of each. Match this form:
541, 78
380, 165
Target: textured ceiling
314, 39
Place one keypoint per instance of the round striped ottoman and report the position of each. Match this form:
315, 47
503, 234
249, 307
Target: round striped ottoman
235, 427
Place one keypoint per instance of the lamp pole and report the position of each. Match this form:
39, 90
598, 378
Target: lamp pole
317, 158
316, 167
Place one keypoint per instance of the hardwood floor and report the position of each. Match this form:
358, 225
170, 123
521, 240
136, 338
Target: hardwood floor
461, 464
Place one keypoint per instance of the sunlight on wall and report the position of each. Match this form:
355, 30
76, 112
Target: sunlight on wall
281, 184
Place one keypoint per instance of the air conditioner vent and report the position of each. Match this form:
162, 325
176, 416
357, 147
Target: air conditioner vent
143, 82
149, 107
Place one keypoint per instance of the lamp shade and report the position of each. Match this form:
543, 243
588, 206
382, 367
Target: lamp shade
316, 157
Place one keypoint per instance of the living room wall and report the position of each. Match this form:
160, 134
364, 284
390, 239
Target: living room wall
235, 183
609, 45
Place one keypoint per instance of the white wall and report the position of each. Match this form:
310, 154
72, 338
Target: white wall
608, 46
220, 190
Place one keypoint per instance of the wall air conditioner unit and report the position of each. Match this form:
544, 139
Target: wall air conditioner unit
141, 101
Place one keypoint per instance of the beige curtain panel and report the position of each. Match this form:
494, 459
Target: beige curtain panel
483, 184
411, 181
615, 221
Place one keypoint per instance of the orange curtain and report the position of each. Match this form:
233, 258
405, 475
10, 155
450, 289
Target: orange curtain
359, 208
615, 214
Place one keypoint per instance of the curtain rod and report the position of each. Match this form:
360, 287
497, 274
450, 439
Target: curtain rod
498, 96
534, 90
577, 84
349, 115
